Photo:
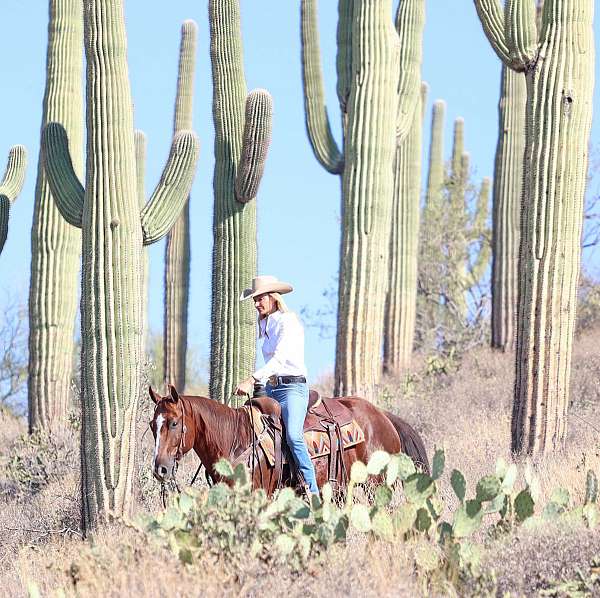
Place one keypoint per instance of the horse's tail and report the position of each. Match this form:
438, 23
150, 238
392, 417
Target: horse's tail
411, 441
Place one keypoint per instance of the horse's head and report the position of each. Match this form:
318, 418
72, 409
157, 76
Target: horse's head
168, 428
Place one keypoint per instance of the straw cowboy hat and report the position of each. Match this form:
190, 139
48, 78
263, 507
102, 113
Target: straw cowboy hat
266, 284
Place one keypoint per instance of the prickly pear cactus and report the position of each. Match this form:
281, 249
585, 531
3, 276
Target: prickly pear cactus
242, 137
558, 61
11, 186
56, 245
177, 250
114, 231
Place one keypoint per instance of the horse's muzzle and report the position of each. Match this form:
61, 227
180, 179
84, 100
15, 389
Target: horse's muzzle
164, 473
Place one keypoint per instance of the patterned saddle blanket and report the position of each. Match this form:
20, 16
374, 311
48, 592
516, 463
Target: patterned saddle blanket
317, 433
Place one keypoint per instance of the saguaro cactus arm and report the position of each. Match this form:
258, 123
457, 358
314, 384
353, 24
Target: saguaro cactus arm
255, 144
173, 189
185, 77
344, 52
14, 175
66, 188
140, 165
491, 15
521, 30
480, 233
512, 32
410, 22
11, 186
317, 121
424, 95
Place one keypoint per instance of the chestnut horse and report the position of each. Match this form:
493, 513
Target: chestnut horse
215, 431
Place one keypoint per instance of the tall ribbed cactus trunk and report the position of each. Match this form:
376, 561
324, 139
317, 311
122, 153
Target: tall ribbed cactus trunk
367, 188
233, 323
113, 234
140, 144
370, 90
177, 251
508, 188
111, 310
242, 136
559, 68
431, 233
456, 245
55, 245
401, 303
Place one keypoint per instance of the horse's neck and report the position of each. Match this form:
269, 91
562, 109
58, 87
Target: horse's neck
219, 429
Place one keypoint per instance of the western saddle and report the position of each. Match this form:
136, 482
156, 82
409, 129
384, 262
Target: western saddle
325, 419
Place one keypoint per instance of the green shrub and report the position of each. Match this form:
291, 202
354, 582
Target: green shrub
38, 459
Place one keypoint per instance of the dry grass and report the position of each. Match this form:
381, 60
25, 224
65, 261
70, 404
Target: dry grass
467, 413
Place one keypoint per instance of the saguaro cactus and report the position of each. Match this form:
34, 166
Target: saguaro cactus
56, 245
140, 144
401, 303
114, 230
431, 262
177, 251
373, 82
455, 246
11, 186
467, 246
508, 187
241, 144
558, 62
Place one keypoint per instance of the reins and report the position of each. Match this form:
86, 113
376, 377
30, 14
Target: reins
171, 485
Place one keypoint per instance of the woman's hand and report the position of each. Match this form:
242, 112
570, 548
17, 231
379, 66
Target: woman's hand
245, 387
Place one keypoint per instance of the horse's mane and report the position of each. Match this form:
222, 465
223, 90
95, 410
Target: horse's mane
225, 428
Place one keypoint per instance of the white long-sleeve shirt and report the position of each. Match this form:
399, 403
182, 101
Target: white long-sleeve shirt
283, 346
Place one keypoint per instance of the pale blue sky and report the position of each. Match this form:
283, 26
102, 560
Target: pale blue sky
298, 203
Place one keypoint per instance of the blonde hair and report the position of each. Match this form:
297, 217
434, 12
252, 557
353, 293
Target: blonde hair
281, 306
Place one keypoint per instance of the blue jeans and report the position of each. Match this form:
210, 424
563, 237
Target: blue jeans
293, 399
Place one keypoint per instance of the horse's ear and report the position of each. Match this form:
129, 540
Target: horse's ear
174, 394
153, 395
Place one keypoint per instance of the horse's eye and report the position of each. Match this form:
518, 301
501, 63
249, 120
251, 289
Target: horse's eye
173, 424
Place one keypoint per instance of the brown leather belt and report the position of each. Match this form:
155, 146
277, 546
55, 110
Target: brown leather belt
277, 380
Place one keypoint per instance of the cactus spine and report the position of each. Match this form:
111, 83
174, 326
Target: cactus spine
242, 137
373, 81
558, 63
55, 245
11, 186
177, 251
401, 303
508, 188
114, 231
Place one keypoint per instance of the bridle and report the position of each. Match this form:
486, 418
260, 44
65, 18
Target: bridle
249, 455
179, 451
172, 485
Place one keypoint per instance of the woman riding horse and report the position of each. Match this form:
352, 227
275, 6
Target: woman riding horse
284, 371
